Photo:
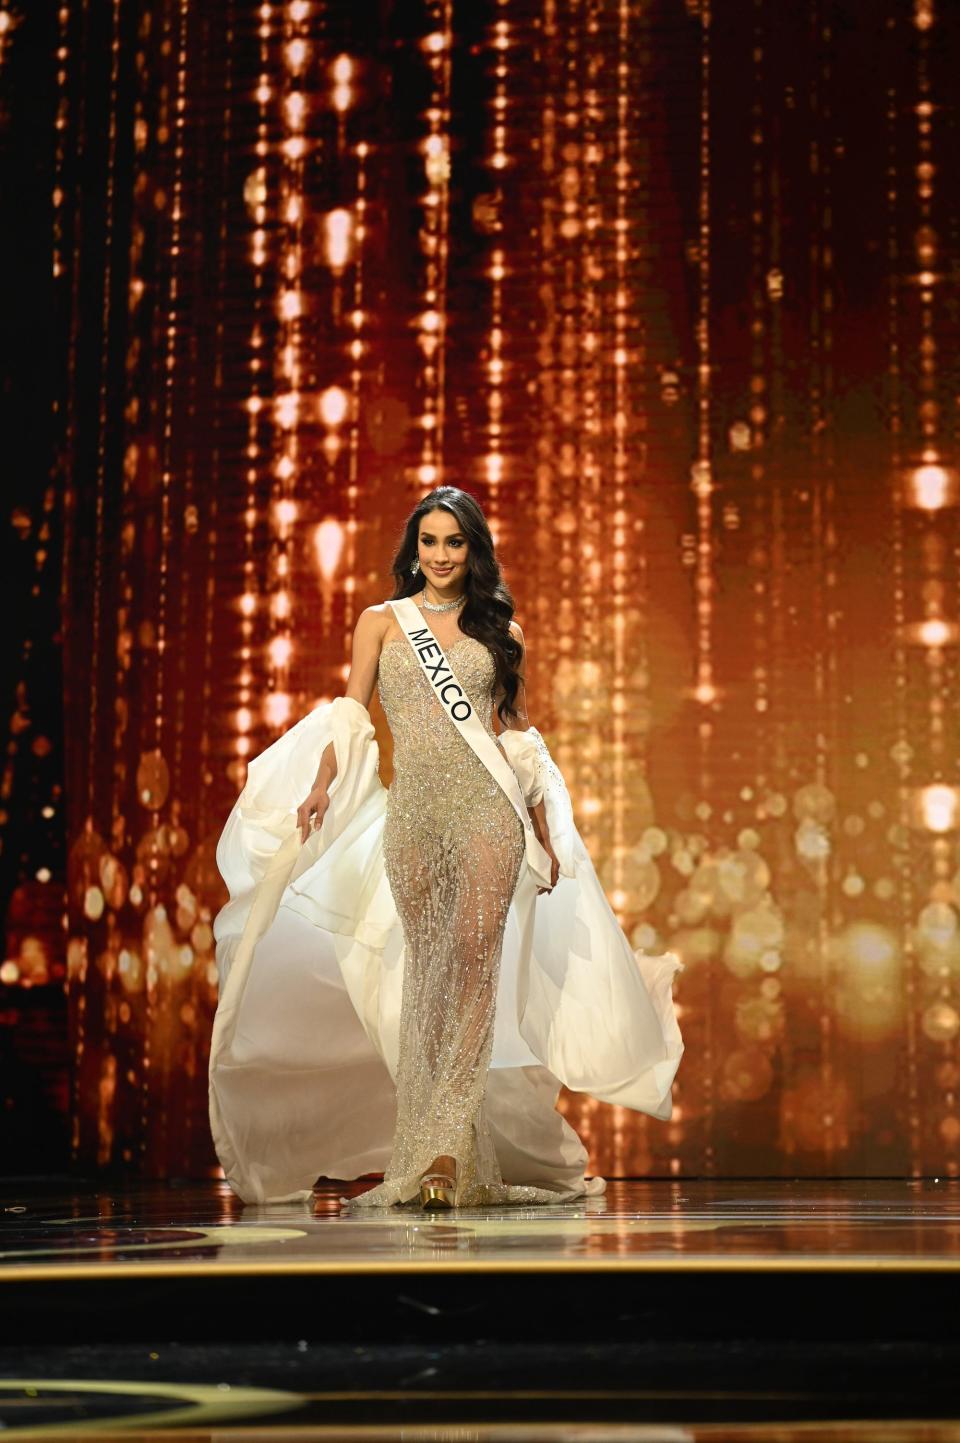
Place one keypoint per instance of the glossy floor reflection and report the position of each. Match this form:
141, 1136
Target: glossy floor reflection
685, 1310
63, 1229
42, 1411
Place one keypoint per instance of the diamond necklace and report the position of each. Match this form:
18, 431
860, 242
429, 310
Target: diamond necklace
444, 605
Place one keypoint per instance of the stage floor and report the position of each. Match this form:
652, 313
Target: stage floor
69, 1231
666, 1310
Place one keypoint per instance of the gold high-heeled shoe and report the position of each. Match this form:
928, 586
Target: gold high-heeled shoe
437, 1190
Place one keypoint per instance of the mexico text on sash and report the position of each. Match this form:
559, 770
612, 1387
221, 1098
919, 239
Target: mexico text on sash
458, 707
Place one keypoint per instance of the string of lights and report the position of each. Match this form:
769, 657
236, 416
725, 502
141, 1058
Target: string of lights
435, 242
637, 342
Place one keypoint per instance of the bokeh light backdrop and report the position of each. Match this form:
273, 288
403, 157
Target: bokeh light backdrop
672, 288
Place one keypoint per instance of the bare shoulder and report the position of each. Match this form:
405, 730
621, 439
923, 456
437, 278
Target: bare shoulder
517, 631
380, 611
373, 622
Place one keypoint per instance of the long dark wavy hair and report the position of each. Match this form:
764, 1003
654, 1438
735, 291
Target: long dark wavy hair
488, 609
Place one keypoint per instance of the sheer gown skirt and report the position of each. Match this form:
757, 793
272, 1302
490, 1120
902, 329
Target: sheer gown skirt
452, 863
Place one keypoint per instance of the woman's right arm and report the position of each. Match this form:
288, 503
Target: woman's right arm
364, 662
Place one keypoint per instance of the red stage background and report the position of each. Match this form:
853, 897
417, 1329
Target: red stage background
673, 289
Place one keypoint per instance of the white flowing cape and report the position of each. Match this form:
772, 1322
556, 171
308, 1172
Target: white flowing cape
309, 953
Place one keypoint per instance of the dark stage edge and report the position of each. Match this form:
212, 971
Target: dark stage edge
698, 1306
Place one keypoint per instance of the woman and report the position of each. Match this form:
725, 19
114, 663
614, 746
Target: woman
413, 894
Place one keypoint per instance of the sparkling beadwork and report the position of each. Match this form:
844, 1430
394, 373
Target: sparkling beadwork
453, 847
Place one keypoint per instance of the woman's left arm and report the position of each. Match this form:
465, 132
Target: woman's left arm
520, 721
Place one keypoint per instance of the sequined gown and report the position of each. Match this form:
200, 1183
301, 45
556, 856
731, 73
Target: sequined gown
453, 846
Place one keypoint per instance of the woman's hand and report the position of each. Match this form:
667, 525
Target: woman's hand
311, 811
554, 866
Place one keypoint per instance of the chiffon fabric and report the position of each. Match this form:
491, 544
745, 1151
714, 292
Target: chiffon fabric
306, 1043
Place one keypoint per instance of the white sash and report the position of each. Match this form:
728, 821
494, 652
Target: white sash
458, 707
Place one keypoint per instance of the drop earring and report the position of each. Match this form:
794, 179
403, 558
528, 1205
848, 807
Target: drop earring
415, 566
